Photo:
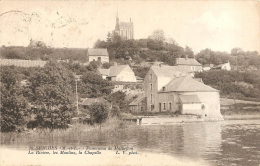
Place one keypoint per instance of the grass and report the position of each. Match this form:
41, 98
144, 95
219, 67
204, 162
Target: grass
75, 132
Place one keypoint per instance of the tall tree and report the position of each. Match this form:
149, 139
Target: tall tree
53, 97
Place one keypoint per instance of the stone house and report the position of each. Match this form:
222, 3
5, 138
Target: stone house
139, 104
170, 89
98, 54
120, 73
189, 64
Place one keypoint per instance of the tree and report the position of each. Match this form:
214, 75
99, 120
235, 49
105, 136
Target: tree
107, 65
14, 106
53, 98
93, 85
158, 35
189, 52
99, 112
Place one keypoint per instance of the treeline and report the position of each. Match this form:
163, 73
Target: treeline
233, 84
154, 48
43, 53
237, 57
46, 97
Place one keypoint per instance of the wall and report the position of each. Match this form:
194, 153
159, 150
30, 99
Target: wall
189, 68
148, 91
192, 108
103, 58
169, 97
127, 75
211, 102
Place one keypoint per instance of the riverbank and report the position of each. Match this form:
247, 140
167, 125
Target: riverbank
74, 132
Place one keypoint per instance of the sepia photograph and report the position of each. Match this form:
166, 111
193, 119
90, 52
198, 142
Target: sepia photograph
130, 83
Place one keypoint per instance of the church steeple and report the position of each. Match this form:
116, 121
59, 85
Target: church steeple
117, 18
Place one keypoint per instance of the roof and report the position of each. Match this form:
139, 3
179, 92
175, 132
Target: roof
190, 99
97, 52
115, 70
89, 101
187, 61
168, 71
187, 84
125, 24
220, 65
104, 71
138, 100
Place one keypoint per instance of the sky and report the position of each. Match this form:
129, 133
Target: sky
218, 25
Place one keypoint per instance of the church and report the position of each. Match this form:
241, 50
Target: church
124, 29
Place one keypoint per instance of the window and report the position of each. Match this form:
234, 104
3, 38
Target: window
151, 87
170, 106
160, 107
163, 88
151, 98
164, 106
151, 76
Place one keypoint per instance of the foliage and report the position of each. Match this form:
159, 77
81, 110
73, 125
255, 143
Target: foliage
52, 95
237, 58
107, 65
233, 84
99, 112
14, 106
93, 85
141, 71
118, 100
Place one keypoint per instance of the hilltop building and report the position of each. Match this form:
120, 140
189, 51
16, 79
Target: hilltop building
172, 89
121, 73
124, 29
189, 64
98, 54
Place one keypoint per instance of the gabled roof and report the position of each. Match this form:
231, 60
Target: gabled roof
190, 99
138, 100
187, 84
97, 52
168, 71
104, 71
187, 61
115, 70
89, 101
125, 24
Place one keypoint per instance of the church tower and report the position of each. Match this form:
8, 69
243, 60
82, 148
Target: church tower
124, 29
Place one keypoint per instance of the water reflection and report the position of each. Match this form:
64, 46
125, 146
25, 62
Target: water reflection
220, 143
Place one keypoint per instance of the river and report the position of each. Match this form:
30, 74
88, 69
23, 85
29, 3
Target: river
225, 143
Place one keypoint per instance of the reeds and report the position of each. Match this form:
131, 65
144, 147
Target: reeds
76, 132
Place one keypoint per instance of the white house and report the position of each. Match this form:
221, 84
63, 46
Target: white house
224, 66
98, 54
121, 73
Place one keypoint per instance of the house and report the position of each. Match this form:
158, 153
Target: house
224, 66
103, 72
139, 104
98, 54
121, 73
170, 89
88, 101
189, 64
207, 67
